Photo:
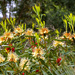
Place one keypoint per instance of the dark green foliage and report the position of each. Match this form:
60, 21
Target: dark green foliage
54, 10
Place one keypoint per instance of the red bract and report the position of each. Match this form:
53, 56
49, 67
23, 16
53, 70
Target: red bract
58, 60
22, 73
37, 70
13, 49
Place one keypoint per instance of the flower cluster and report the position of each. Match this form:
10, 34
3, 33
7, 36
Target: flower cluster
23, 62
10, 48
38, 52
58, 61
2, 59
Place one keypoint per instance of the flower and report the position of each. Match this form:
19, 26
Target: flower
67, 35
10, 44
56, 43
13, 49
33, 46
58, 60
8, 35
1, 58
44, 37
8, 49
22, 62
43, 31
12, 57
2, 39
37, 52
29, 32
73, 35
37, 70
36, 43
22, 73
18, 30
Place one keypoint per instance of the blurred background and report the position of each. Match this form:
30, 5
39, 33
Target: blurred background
22, 11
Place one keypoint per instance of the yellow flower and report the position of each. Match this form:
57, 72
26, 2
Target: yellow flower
55, 43
67, 35
18, 30
37, 52
8, 35
12, 57
44, 37
2, 39
1, 58
22, 62
43, 58
29, 32
43, 31
73, 35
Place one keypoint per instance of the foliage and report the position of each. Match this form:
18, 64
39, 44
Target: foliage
69, 22
25, 52
54, 10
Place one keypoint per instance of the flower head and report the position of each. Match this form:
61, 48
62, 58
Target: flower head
2, 39
8, 49
12, 57
8, 35
37, 52
68, 36
18, 30
73, 35
37, 70
24, 61
56, 43
10, 44
13, 49
22, 73
29, 32
1, 58
44, 31
58, 60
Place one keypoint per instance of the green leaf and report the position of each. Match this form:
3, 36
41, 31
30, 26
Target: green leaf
4, 63
44, 73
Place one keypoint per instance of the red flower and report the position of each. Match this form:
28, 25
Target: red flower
37, 70
22, 73
10, 44
58, 60
13, 49
32, 41
33, 46
36, 43
33, 50
59, 64
8, 49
